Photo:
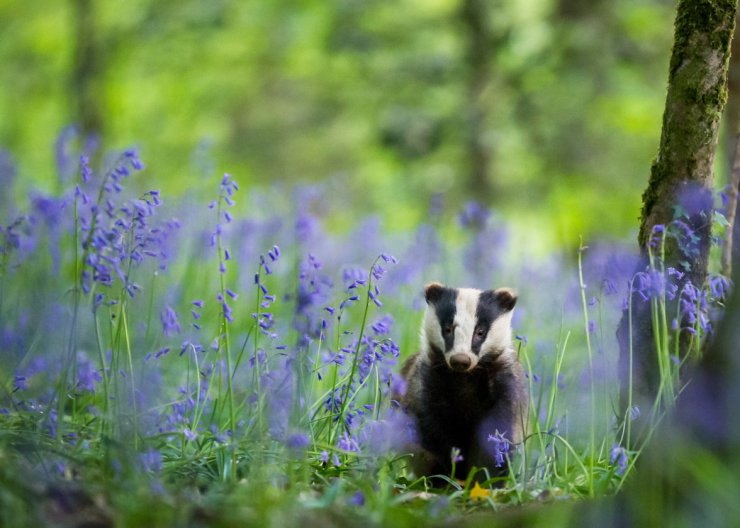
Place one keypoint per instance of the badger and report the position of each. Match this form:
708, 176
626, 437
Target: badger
465, 388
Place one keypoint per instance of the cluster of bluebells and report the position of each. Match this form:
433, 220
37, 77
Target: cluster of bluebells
379, 351
117, 235
487, 243
263, 317
178, 418
313, 295
225, 202
375, 352
11, 238
673, 285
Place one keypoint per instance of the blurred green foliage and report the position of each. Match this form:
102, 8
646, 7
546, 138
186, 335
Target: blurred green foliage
369, 93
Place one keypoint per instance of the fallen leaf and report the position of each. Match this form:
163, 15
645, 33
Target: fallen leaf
478, 493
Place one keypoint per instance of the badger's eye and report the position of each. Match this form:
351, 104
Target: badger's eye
447, 329
480, 332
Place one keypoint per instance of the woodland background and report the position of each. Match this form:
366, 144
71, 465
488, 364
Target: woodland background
390, 118
547, 110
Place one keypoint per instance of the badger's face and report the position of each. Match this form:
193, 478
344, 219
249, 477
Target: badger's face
464, 325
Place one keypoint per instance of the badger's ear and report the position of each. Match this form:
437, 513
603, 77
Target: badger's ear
506, 298
433, 291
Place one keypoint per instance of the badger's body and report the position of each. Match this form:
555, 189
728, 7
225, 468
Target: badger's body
465, 388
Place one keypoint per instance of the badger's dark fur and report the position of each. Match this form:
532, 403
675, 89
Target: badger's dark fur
466, 382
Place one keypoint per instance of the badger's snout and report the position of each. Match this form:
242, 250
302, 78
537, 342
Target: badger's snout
460, 362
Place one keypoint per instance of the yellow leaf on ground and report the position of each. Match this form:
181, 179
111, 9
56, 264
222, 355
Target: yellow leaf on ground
478, 493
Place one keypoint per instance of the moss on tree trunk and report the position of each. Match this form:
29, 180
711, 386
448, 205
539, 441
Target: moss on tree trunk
697, 92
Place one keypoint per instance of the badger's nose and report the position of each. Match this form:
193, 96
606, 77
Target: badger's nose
460, 362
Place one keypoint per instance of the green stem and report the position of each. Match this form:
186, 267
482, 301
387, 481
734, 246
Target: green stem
127, 339
106, 381
592, 438
227, 346
357, 352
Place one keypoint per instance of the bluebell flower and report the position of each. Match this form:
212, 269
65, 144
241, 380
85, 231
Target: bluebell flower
474, 216
393, 432
305, 227
378, 271
499, 448
651, 284
260, 357
20, 383
170, 322
618, 456
298, 441
313, 293
719, 287
52, 211
87, 374
398, 385
151, 461
358, 499
656, 235
353, 276
374, 297
189, 435
609, 286
686, 238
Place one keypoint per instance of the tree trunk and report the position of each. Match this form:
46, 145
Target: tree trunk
85, 82
732, 110
683, 169
732, 147
477, 59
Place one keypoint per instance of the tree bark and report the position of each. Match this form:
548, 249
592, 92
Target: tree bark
85, 82
683, 168
732, 110
474, 15
732, 147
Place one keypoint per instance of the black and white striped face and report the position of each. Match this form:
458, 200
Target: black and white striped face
464, 324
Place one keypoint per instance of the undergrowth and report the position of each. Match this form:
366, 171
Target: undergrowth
197, 362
